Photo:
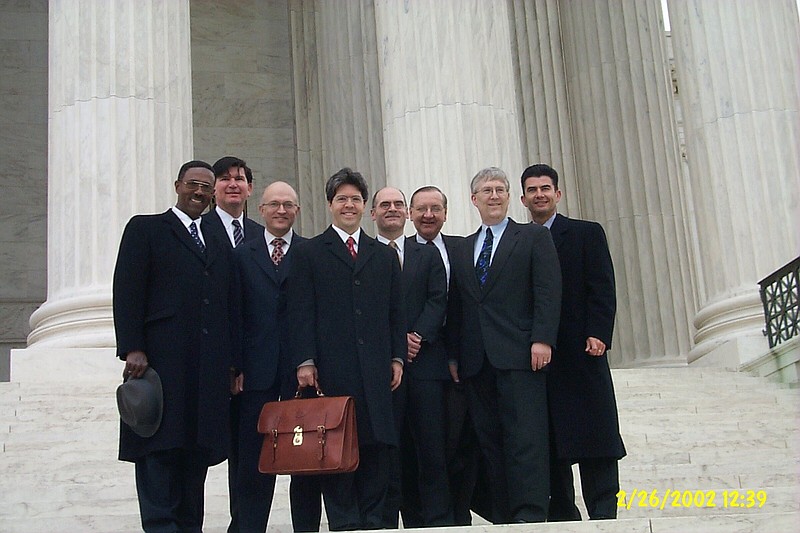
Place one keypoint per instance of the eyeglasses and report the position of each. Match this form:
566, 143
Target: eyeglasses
397, 204
435, 209
488, 191
288, 206
193, 185
342, 199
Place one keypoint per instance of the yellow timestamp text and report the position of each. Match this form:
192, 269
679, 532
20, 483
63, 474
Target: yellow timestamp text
655, 499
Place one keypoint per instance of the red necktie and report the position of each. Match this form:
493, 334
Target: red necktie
351, 245
277, 250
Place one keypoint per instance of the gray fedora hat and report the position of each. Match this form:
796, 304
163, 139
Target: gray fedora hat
140, 403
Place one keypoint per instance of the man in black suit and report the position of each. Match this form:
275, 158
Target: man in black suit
349, 338
583, 409
505, 292
428, 213
264, 265
419, 401
233, 185
174, 296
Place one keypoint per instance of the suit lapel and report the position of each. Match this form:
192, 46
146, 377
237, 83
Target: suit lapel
558, 229
469, 262
335, 245
507, 243
259, 251
411, 260
366, 249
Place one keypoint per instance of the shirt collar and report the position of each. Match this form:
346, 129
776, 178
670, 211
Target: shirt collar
184, 218
227, 218
269, 237
549, 221
344, 235
400, 241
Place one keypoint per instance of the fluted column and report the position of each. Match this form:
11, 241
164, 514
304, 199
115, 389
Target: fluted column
737, 70
120, 125
336, 97
627, 170
448, 100
542, 93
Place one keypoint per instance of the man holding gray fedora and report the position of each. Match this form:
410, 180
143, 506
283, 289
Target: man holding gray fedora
175, 291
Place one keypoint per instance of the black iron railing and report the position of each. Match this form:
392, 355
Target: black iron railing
780, 294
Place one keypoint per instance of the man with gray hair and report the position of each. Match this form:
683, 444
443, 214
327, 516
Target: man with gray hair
502, 321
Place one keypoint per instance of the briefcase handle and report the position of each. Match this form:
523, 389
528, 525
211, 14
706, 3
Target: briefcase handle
299, 393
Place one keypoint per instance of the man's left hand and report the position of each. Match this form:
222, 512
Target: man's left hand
397, 374
540, 355
595, 346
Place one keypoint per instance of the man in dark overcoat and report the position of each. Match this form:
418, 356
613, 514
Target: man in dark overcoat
502, 320
173, 296
349, 338
583, 409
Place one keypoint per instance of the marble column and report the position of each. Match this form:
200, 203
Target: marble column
542, 93
337, 90
628, 173
120, 125
448, 98
738, 79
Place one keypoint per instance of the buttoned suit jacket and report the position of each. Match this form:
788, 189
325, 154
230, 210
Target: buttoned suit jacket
174, 303
264, 341
425, 296
518, 305
213, 224
347, 315
580, 390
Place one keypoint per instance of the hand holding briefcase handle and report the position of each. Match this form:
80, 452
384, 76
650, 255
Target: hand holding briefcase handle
305, 436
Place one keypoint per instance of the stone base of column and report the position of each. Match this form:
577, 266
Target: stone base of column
74, 322
99, 365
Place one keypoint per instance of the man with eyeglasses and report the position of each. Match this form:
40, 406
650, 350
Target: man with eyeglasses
502, 320
264, 266
174, 293
428, 213
349, 338
419, 401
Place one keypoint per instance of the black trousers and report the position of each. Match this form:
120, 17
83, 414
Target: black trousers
357, 500
509, 411
250, 491
462, 451
599, 485
170, 485
418, 484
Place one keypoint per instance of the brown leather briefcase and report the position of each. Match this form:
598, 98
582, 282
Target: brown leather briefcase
309, 436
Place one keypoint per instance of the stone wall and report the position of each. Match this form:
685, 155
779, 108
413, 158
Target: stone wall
23, 172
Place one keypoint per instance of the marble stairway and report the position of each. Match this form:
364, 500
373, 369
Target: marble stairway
696, 432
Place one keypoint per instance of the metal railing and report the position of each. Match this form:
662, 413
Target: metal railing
780, 294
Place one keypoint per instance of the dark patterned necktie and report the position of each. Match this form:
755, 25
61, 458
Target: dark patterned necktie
238, 235
482, 266
351, 245
393, 245
196, 237
277, 250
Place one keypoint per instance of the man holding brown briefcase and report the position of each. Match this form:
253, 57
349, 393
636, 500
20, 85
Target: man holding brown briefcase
348, 338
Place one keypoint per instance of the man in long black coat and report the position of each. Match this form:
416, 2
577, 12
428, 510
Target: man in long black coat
174, 289
502, 320
349, 338
583, 410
